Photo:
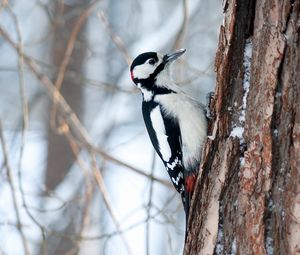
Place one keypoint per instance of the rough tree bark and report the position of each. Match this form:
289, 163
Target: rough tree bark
247, 198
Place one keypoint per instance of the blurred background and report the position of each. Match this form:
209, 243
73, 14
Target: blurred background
78, 174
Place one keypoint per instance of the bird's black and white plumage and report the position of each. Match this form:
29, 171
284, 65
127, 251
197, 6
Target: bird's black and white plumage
176, 123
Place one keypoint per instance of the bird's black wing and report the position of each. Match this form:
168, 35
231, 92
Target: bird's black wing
164, 133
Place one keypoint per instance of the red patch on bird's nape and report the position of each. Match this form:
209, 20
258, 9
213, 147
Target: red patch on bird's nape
190, 183
131, 75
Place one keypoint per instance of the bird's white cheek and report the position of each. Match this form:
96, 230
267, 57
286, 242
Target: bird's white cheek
143, 71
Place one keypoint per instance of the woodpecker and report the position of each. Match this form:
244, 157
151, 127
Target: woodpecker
176, 123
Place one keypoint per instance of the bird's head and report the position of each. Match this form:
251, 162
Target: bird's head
148, 67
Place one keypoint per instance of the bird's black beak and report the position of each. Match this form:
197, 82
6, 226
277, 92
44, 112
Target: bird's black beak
168, 58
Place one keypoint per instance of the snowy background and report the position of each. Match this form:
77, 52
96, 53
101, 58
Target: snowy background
52, 198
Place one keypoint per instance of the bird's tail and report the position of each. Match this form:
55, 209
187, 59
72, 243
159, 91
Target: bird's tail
189, 185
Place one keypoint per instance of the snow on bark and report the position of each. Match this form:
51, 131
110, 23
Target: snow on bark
238, 129
246, 80
269, 243
238, 132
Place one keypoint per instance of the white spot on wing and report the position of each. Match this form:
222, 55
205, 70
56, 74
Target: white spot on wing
159, 127
173, 164
182, 188
180, 175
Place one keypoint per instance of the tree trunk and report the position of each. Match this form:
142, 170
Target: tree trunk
60, 156
247, 198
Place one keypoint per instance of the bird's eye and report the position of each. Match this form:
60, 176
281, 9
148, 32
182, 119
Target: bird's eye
151, 61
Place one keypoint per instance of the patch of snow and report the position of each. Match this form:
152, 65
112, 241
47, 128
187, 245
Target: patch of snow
283, 214
233, 247
219, 246
242, 161
238, 130
220, 238
246, 79
269, 243
210, 137
235, 204
247, 71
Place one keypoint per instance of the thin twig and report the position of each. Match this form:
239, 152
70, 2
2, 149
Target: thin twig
13, 191
110, 87
106, 199
149, 205
115, 38
106, 156
170, 242
196, 73
181, 33
114, 233
89, 188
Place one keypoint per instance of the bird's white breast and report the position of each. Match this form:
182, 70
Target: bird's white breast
192, 122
